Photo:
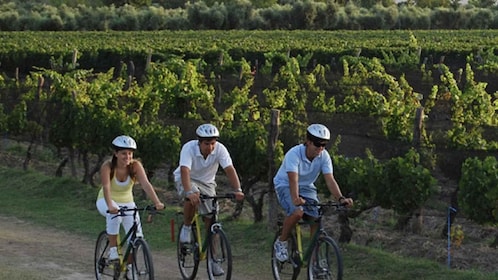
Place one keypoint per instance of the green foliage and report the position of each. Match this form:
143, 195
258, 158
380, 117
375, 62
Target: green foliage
180, 89
405, 59
128, 15
82, 110
370, 90
401, 183
3, 119
158, 144
407, 185
288, 94
485, 60
477, 192
244, 129
359, 176
472, 109
17, 119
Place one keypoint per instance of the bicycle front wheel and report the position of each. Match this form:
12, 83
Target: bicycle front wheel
142, 268
219, 258
188, 255
325, 262
103, 268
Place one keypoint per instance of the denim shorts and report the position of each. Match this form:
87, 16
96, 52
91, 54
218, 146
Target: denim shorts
284, 198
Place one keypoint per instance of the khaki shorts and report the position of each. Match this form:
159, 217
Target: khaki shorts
206, 206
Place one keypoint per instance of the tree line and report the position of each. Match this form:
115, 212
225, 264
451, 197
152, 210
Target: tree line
244, 14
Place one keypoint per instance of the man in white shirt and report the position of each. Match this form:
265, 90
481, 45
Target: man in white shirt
196, 174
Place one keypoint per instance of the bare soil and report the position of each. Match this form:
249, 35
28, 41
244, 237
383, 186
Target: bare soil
39, 253
29, 251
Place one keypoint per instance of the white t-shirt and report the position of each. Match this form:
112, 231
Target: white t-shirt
203, 170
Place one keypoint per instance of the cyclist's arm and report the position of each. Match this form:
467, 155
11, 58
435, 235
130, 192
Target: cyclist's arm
234, 181
294, 188
335, 190
146, 185
193, 197
105, 178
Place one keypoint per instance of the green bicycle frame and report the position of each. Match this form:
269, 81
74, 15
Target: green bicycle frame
203, 245
299, 240
124, 241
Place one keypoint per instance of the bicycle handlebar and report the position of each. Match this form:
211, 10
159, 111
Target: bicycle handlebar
329, 204
149, 208
220, 196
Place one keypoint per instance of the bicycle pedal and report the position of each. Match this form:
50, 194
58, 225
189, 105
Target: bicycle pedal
186, 249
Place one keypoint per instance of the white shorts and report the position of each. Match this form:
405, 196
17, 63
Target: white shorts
112, 224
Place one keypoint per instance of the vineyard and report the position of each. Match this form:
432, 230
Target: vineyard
402, 106
103, 50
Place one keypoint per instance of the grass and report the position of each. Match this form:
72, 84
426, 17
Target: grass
69, 205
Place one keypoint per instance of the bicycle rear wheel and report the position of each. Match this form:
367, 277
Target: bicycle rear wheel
142, 268
188, 255
290, 268
104, 269
325, 262
219, 258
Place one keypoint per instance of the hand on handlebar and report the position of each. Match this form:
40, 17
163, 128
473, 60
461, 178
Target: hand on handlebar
298, 201
113, 210
193, 198
239, 195
159, 206
347, 201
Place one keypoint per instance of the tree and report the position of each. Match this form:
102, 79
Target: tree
136, 3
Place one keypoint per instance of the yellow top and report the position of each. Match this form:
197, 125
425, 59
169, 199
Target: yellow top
121, 192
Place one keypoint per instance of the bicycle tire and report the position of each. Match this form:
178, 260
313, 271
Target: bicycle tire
290, 268
220, 254
103, 268
325, 262
142, 261
188, 255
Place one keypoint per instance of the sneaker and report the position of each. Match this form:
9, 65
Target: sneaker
129, 273
217, 269
185, 234
113, 254
281, 250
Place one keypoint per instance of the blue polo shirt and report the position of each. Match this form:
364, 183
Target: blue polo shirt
295, 160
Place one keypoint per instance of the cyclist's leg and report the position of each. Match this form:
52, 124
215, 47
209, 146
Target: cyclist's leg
188, 208
127, 222
219, 256
311, 214
188, 254
112, 225
292, 213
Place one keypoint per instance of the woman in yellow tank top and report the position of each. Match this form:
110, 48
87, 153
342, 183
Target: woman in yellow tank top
118, 176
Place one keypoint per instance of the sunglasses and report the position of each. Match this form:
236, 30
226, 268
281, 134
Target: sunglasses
319, 144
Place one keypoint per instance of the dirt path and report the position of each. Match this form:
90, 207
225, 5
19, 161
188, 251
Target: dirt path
29, 252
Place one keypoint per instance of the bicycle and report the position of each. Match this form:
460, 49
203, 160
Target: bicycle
214, 246
136, 248
322, 257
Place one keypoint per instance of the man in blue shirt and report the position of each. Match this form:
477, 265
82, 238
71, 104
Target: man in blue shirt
295, 182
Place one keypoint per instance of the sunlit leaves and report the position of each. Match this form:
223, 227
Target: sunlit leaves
478, 195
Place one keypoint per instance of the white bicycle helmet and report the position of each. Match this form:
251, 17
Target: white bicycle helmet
207, 130
319, 131
124, 142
